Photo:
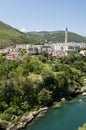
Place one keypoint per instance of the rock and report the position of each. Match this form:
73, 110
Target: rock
83, 89
35, 113
43, 109
63, 99
29, 117
26, 119
11, 127
23, 119
84, 93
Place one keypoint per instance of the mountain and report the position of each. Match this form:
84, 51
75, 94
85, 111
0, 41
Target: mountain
12, 36
57, 36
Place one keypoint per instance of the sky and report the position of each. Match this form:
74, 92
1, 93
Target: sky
45, 15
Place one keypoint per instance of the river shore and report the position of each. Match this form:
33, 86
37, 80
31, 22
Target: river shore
28, 117
25, 120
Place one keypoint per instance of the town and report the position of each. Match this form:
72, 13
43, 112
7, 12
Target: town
57, 50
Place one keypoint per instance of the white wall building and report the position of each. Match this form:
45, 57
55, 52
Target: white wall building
83, 52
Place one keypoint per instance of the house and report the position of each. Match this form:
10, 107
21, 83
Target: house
47, 48
11, 49
3, 51
70, 47
57, 54
83, 52
13, 56
34, 49
24, 46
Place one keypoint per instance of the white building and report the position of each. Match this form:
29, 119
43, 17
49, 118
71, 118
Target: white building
66, 47
83, 52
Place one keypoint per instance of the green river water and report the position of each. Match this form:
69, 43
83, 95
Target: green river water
69, 116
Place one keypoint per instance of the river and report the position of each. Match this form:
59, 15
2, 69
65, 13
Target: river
69, 116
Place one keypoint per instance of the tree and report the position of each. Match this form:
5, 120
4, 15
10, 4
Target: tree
45, 97
61, 84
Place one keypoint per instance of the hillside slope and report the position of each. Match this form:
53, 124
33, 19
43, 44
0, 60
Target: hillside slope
57, 36
7, 34
12, 36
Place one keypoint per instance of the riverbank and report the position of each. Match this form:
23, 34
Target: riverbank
25, 120
69, 116
19, 123
29, 117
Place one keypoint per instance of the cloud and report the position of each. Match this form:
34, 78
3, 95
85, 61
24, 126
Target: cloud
37, 30
23, 30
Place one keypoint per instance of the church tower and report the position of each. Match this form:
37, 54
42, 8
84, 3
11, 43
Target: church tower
66, 35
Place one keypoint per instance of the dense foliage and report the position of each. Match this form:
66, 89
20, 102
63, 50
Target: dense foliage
31, 83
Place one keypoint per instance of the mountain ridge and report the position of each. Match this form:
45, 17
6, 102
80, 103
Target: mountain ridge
57, 36
12, 36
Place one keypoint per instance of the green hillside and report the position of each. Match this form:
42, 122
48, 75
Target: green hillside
12, 36
57, 36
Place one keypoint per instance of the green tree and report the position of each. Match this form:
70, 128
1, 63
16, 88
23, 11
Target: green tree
45, 97
61, 84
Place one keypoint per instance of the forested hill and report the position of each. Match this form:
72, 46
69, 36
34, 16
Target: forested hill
57, 36
12, 36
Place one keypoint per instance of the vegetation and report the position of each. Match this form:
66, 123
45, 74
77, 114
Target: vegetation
31, 83
56, 36
83, 127
12, 36
36, 82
